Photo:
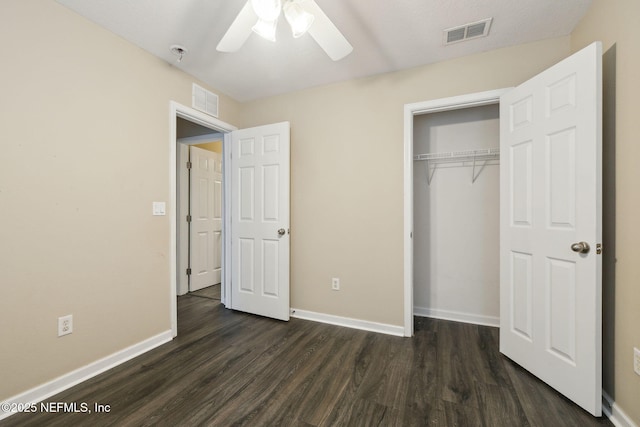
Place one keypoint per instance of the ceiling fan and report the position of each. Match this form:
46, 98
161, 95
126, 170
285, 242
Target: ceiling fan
261, 17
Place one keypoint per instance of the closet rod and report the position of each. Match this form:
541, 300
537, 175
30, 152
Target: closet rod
459, 156
485, 155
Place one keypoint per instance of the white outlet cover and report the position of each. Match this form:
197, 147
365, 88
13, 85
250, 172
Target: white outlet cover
636, 360
159, 208
65, 325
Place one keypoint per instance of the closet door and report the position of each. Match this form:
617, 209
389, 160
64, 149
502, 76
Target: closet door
550, 227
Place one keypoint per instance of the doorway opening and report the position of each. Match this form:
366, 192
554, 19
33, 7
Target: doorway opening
200, 184
456, 229
190, 127
410, 112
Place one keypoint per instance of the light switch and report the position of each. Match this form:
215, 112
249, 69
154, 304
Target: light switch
159, 208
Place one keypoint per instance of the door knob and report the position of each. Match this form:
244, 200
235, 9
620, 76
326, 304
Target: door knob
580, 247
281, 232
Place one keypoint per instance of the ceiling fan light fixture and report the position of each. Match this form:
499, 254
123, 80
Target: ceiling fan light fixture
299, 19
266, 29
267, 10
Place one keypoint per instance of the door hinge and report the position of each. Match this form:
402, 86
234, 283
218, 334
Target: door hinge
189, 271
188, 218
598, 248
189, 164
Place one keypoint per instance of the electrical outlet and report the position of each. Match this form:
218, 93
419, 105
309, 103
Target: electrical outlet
636, 360
65, 325
335, 284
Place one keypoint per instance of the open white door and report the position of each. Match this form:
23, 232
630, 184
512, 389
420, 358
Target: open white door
260, 220
550, 202
205, 237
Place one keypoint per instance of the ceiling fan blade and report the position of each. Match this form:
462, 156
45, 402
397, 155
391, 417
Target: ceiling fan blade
239, 31
325, 33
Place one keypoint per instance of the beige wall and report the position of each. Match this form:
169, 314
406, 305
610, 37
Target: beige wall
215, 146
615, 23
347, 173
84, 134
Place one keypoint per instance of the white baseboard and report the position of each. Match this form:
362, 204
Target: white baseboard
46, 390
456, 316
365, 325
615, 414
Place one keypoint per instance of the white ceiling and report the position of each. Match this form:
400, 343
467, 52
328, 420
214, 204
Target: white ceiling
387, 35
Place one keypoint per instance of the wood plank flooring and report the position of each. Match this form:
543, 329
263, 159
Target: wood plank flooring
211, 292
227, 368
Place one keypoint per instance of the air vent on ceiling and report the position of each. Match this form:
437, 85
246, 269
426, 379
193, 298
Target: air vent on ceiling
204, 101
469, 31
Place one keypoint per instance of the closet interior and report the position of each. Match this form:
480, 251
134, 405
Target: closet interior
457, 214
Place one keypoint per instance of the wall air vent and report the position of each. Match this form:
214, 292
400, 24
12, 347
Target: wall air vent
204, 101
469, 31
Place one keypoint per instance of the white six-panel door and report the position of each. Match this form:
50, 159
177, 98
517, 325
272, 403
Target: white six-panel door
260, 220
205, 206
550, 189
217, 218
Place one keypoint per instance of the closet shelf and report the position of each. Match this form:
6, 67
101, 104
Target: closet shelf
460, 156
483, 156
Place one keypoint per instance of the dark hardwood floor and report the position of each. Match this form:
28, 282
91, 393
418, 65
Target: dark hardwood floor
211, 292
229, 368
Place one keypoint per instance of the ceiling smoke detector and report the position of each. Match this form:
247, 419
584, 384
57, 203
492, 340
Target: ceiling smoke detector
466, 32
179, 51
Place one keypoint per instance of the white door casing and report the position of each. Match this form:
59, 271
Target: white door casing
205, 242
550, 198
182, 236
260, 220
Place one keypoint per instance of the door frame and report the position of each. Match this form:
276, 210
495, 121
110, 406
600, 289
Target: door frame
216, 125
410, 111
